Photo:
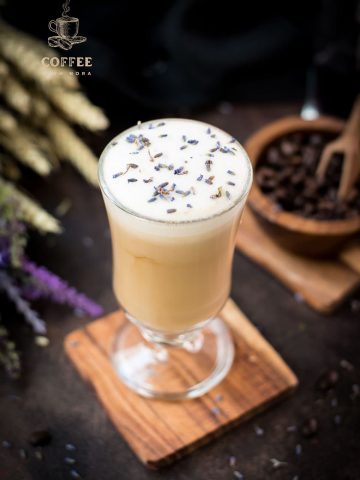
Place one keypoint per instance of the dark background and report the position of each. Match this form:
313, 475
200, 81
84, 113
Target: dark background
154, 59
172, 56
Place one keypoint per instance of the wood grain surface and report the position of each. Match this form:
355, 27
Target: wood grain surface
160, 432
323, 284
350, 255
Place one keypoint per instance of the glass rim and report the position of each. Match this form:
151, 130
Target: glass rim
106, 191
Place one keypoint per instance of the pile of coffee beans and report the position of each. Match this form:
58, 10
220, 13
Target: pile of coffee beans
286, 172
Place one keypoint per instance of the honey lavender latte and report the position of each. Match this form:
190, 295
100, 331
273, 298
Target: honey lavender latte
174, 192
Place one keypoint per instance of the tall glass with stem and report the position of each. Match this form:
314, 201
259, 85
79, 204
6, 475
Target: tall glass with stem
174, 192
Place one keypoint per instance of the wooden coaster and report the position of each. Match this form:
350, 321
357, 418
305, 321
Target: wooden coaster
160, 432
323, 284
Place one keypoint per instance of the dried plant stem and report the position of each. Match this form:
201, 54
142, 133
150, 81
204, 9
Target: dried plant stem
71, 148
19, 144
26, 53
8, 122
16, 95
4, 69
8, 167
77, 108
31, 211
42, 142
40, 108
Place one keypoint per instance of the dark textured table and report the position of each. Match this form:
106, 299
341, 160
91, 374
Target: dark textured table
51, 395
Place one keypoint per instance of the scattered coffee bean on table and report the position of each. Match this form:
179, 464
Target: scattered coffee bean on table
286, 173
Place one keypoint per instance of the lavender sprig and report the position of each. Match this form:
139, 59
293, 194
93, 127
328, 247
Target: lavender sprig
58, 290
22, 305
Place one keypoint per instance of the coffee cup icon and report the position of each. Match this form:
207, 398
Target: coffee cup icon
67, 29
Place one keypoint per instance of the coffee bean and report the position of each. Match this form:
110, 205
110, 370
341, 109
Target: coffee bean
291, 164
315, 139
273, 156
288, 147
40, 438
309, 428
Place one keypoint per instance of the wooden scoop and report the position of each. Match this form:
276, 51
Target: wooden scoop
348, 143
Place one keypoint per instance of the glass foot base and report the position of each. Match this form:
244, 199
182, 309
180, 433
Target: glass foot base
173, 372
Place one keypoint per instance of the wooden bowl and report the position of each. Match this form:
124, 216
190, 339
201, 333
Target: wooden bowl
301, 235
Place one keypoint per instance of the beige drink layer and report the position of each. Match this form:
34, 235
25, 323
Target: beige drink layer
169, 273
170, 283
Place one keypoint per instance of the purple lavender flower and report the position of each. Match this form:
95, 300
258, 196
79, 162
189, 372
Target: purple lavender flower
47, 284
22, 305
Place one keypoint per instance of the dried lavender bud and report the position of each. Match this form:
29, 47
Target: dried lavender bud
75, 474
131, 138
208, 164
210, 180
70, 447
132, 180
171, 210
218, 194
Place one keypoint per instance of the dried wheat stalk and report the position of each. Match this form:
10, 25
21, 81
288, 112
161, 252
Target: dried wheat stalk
18, 144
40, 108
8, 122
42, 143
31, 211
71, 148
8, 167
77, 108
16, 95
4, 69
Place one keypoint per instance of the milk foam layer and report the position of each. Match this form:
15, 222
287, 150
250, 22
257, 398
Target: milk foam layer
175, 170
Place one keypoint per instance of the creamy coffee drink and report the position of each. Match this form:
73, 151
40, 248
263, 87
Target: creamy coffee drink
174, 191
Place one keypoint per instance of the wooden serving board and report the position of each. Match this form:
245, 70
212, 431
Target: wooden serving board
160, 432
323, 284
